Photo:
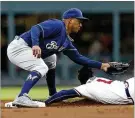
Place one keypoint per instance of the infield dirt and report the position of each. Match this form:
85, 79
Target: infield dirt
76, 109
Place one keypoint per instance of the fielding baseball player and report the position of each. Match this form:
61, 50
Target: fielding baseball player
36, 49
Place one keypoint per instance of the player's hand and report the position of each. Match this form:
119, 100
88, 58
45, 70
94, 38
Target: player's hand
36, 51
105, 66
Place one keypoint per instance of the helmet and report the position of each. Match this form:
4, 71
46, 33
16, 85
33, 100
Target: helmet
84, 74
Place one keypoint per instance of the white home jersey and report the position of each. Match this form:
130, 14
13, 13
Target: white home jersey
107, 91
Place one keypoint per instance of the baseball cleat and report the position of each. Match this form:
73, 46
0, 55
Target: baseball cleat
26, 101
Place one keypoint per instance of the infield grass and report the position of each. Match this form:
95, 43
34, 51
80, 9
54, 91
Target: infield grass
9, 93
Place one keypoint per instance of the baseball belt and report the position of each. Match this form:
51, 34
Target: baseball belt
127, 91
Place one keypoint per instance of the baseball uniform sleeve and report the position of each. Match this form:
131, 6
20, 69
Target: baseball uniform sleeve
35, 34
49, 28
74, 55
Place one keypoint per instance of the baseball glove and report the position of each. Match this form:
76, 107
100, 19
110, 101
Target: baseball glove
117, 68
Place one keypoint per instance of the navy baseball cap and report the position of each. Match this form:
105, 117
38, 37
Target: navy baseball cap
74, 13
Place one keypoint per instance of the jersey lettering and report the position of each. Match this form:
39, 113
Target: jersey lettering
105, 81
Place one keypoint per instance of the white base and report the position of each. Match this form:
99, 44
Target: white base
9, 105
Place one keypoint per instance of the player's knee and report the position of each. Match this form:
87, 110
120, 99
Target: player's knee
44, 70
41, 69
52, 64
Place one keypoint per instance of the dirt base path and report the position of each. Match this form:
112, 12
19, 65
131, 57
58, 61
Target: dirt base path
78, 109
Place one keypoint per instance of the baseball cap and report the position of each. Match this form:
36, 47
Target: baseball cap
74, 13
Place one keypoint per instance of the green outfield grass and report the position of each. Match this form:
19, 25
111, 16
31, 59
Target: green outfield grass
9, 93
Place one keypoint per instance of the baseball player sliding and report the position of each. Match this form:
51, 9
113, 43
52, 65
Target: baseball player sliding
36, 49
99, 89
95, 88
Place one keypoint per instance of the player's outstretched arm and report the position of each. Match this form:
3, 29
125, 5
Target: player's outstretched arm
82, 60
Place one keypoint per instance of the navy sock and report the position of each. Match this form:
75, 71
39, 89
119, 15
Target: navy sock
62, 95
50, 79
32, 79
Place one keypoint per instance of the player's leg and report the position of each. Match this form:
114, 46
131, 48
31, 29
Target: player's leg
57, 97
50, 76
62, 95
31, 80
82, 90
21, 55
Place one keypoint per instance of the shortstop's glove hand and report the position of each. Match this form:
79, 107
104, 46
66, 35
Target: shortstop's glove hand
117, 68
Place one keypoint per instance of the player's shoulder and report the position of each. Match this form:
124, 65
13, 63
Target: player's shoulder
55, 20
54, 23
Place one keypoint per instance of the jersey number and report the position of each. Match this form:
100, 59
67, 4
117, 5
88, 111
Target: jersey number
105, 81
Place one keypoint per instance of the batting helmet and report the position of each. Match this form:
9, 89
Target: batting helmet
84, 74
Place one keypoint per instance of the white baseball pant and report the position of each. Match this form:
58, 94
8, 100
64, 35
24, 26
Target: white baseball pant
20, 54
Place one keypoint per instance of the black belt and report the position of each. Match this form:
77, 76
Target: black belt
127, 91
